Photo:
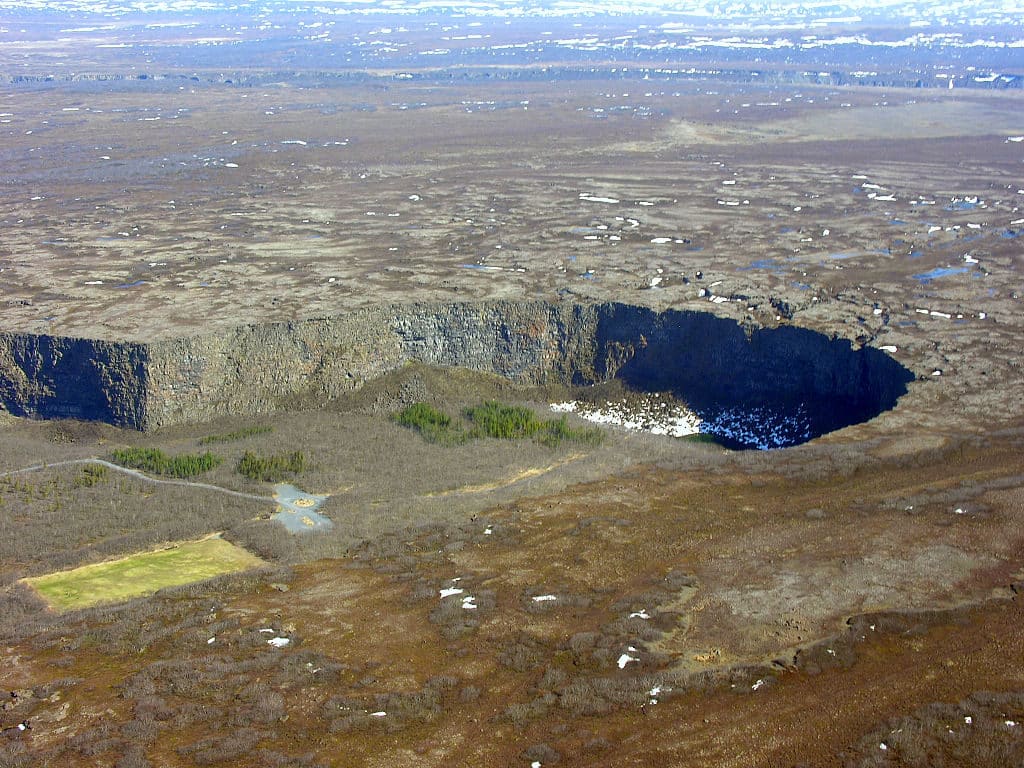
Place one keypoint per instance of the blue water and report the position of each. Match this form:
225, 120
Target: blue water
767, 264
296, 509
927, 277
961, 205
136, 284
1009, 234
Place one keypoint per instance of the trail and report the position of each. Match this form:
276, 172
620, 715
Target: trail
140, 476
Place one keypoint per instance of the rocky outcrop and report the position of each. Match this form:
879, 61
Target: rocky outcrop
258, 368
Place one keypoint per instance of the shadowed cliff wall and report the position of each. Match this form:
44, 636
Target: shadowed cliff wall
708, 361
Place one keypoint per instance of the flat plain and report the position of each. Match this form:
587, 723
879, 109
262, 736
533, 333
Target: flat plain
641, 601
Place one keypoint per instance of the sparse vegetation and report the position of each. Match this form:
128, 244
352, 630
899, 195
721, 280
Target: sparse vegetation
159, 463
271, 469
238, 434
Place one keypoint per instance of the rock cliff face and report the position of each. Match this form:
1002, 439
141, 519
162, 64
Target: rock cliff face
254, 369
57, 377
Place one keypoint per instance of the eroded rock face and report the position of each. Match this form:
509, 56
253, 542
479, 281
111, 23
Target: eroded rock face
59, 377
709, 361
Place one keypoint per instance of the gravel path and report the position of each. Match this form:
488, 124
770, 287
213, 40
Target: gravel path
145, 478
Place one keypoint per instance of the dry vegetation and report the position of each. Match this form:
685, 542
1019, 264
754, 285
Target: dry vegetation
794, 608
655, 564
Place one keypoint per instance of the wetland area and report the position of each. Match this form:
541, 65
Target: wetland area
411, 387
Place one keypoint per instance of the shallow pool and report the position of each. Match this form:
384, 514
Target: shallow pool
296, 509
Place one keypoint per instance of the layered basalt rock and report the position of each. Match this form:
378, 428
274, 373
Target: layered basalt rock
706, 360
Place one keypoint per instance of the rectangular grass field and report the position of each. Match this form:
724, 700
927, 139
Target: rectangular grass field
141, 574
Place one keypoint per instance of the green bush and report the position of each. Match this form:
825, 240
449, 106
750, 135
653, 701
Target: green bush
92, 474
435, 426
493, 419
508, 422
156, 461
271, 469
239, 434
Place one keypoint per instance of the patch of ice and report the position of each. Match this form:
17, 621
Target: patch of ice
757, 685
968, 720
450, 591
278, 642
378, 714
544, 598
469, 603
596, 199
625, 659
294, 141
94, 282
1015, 139
968, 259
641, 614
890, 348
230, 165
661, 240
211, 641
488, 531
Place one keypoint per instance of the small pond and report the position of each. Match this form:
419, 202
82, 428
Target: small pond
297, 510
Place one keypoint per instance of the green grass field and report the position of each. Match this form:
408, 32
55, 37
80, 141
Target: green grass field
141, 574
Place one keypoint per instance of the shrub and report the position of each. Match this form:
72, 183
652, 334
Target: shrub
156, 461
435, 426
493, 419
509, 422
271, 469
92, 474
